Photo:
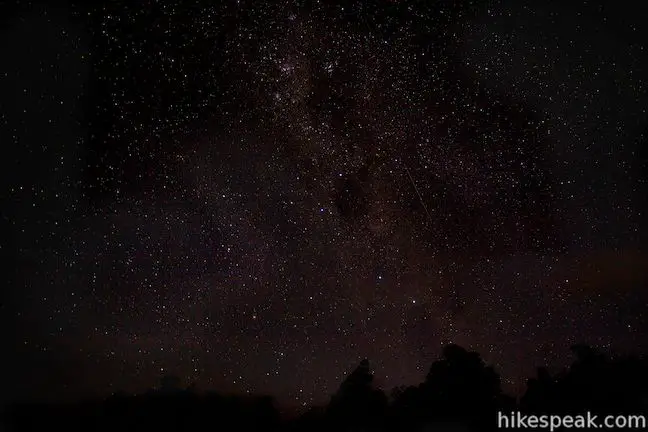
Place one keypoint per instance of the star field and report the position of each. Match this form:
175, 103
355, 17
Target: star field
255, 197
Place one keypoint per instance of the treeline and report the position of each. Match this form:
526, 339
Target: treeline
460, 392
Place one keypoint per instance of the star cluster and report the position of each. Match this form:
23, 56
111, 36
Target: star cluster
256, 196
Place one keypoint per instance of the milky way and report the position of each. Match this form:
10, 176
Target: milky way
256, 197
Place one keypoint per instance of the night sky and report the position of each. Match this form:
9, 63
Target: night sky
256, 196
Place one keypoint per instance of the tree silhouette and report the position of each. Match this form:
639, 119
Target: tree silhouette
357, 405
593, 383
170, 384
461, 380
460, 392
539, 396
459, 387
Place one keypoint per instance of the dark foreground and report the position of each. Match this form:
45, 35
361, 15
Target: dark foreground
460, 393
